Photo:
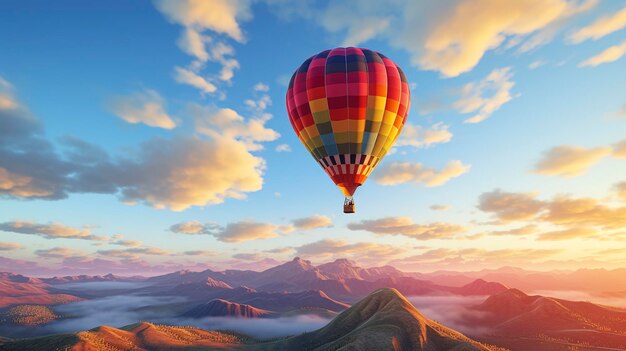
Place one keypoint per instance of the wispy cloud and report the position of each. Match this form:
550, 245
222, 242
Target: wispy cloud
396, 173
405, 226
486, 96
49, 230
569, 161
600, 28
147, 107
610, 54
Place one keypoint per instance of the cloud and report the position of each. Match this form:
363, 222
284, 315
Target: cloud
199, 253
452, 37
249, 256
227, 123
600, 28
58, 252
619, 149
7, 99
147, 107
245, 231
127, 243
536, 64
197, 16
220, 16
568, 233
473, 258
620, 188
569, 161
578, 212
182, 172
423, 137
49, 231
439, 207
520, 231
189, 77
283, 148
611, 54
10, 246
486, 96
510, 206
341, 248
174, 173
405, 226
312, 222
395, 173
191, 227
134, 253
240, 231
262, 87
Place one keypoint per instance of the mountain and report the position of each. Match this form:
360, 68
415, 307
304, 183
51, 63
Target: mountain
224, 308
140, 336
346, 269
16, 289
480, 287
516, 315
385, 320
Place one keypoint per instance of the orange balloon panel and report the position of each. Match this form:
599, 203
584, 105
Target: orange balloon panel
348, 106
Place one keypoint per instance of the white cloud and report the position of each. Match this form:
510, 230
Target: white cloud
395, 173
10, 246
313, 222
198, 16
49, 230
510, 206
239, 231
7, 100
405, 226
619, 149
486, 96
220, 16
283, 148
536, 64
610, 54
58, 252
186, 76
453, 36
570, 161
423, 137
182, 172
147, 107
262, 87
228, 123
601, 27
439, 207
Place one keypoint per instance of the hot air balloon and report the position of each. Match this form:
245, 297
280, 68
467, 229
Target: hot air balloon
348, 106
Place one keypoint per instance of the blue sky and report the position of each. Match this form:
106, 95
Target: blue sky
178, 110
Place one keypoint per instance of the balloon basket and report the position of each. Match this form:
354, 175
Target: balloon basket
348, 205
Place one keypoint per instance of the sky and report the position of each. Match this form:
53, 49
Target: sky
145, 137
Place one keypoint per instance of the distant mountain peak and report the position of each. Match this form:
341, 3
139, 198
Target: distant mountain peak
224, 308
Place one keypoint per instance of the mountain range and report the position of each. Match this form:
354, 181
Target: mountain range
384, 320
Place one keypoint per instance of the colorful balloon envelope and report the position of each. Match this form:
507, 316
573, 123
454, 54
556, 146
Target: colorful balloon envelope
348, 107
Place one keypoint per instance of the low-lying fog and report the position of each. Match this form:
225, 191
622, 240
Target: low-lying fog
121, 310
451, 311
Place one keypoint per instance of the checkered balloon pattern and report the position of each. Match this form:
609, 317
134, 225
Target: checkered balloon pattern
348, 106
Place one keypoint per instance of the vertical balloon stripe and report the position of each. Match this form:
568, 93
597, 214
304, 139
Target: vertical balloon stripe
376, 99
318, 103
394, 91
357, 97
337, 99
401, 115
302, 106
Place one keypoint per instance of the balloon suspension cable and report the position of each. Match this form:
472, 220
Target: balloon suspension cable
348, 205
